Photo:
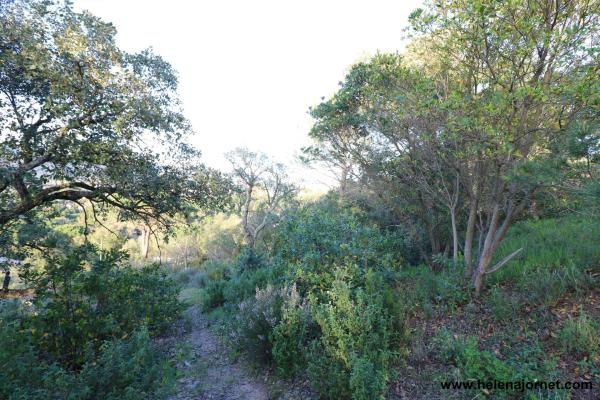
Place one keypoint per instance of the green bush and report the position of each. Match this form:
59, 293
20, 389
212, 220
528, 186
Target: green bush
87, 334
131, 368
355, 348
256, 319
581, 336
190, 277
213, 295
292, 334
24, 375
319, 235
88, 297
244, 284
249, 259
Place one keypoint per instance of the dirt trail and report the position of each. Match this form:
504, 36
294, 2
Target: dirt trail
210, 374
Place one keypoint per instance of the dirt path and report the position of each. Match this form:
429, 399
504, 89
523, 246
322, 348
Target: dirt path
208, 371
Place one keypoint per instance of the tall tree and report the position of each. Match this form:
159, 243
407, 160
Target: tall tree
266, 190
520, 74
82, 119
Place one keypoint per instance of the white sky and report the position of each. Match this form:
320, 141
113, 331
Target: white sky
249, 70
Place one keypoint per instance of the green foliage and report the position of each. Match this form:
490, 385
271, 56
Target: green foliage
560, 257
191, 277
80, 109
581, 335
131, 368
249, 259
88, 297
355, 349
213, 294
504, 306
327, 232
291, 335
475, 364
87, 334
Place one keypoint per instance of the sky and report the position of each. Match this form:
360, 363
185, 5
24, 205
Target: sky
250, 70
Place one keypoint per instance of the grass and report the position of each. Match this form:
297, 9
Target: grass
561, 256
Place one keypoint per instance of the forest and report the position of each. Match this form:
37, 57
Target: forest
456, 256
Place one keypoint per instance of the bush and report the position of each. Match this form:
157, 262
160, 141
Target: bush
354, 353
292, 334
129, 368
581, 336
190, 277
256, 319
87, 334
88, 297
213, 295
249, 259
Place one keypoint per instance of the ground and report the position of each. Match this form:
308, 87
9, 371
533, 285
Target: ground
208, 370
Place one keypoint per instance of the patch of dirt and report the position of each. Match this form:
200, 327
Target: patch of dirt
210, 374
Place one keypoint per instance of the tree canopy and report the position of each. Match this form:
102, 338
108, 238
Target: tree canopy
82, 119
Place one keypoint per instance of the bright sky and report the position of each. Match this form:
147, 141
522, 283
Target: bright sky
249, 70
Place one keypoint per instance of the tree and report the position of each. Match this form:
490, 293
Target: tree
81, 119
470, 119
266, 190
521, 73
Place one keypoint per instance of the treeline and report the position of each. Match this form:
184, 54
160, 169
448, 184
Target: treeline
490, 116
473, 154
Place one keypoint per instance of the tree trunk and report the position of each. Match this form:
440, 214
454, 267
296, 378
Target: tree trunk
454, 235
145, 241
469, 238
248, 236
6, 281
486, 255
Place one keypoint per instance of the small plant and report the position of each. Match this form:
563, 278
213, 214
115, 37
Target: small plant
213, 295
256, 320
503, 306
581, 336
292, 335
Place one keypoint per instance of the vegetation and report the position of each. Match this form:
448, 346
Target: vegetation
461, 243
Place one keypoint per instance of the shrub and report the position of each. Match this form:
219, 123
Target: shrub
354, 352
292, 334
190, 277
244, 284
213, 295
88, 297
24, 375
256, 319
581, 335
249, 259
129, 368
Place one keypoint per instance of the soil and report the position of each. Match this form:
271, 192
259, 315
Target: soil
209, 372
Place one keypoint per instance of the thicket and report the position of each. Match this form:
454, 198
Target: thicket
88, 331
323, 301
335, 298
